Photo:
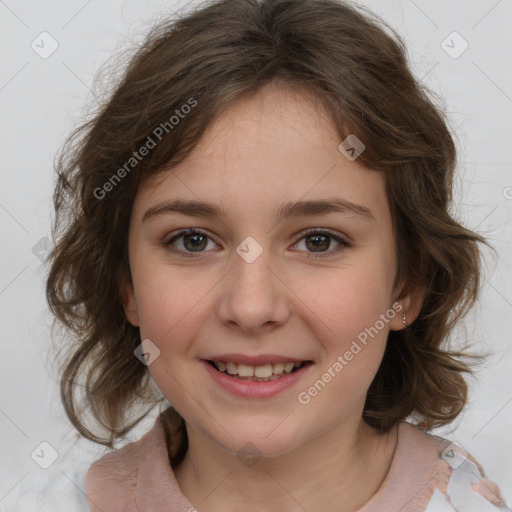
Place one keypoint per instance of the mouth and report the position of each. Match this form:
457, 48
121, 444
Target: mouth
260, 373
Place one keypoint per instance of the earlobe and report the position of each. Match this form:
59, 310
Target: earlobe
407, 308
129, 304
399, 320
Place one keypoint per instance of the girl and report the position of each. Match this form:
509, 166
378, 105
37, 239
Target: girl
257, 222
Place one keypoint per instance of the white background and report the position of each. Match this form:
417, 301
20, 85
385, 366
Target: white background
42, 99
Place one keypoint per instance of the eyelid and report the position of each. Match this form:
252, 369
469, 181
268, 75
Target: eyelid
335, 234
343, 240
182, 232
175, 235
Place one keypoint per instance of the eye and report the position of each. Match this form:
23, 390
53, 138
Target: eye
193, 240
321, 239
196, 241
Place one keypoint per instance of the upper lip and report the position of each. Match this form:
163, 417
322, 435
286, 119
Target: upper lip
255, 360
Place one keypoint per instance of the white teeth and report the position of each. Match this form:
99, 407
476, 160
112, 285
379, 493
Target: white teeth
278, 368
244, 370
266, 371
288, 367
232, 368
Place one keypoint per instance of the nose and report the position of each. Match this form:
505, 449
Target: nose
255, 296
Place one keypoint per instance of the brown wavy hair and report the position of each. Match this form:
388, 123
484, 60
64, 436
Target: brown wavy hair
221, 51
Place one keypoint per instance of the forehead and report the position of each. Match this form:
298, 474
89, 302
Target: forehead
275, 146
274, 122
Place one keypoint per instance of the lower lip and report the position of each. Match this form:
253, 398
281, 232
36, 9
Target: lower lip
254, 388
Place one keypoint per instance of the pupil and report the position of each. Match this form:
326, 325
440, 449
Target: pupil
318, 240
195, 240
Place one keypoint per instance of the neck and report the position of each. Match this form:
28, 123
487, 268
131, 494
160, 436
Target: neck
214, 479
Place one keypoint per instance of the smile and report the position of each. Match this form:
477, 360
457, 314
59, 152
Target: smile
262, 373
256, 381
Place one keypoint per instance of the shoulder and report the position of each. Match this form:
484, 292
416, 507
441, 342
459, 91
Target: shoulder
135, 476
111, 480
458, 482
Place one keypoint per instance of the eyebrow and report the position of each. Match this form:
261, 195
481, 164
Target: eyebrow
288, 210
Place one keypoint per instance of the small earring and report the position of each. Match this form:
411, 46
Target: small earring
404, 319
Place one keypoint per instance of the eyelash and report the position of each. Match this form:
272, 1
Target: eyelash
310, 232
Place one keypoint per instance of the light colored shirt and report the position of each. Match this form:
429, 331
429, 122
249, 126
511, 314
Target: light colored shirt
427, 474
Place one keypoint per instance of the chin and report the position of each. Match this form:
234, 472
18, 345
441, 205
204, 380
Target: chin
247, 439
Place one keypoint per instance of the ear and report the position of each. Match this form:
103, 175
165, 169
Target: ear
129, 304
408, 302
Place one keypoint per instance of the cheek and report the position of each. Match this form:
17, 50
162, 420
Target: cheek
350, 299
355, 305
169, 303
169, 315
353, 309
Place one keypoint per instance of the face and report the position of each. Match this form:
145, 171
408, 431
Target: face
264, 284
